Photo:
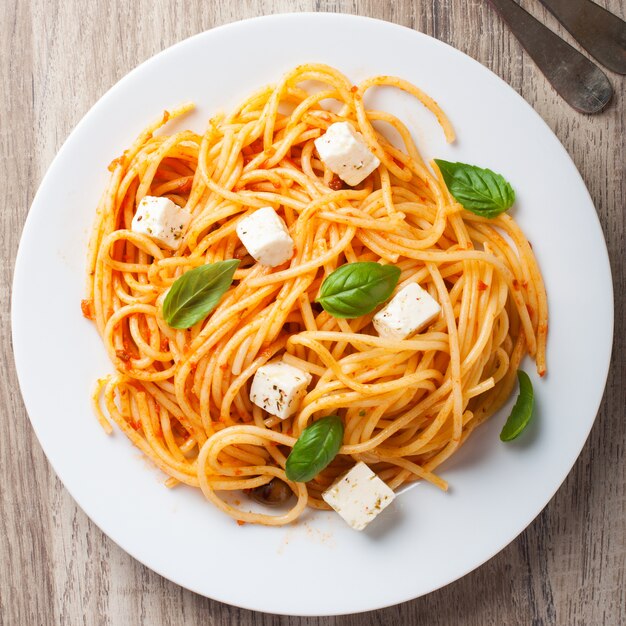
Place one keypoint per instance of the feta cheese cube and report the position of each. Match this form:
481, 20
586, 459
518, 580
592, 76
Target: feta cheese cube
278, 388
162, 220
359, 496
410, 310
345, 153
265, 237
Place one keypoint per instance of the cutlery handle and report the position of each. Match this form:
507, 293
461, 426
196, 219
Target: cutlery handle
597, 30
581, 83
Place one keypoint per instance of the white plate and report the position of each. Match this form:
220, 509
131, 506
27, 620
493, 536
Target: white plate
427, 538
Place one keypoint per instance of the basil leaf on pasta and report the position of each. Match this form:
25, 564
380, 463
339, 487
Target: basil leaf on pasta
197, 292
478, 190
316, 447
522, 409
356, 289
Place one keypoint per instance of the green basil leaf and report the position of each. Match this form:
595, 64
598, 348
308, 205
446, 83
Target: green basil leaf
522, 409
356, 289
316, 447
478, 190
196, 293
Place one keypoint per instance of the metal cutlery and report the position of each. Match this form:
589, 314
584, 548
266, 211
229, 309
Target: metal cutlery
581, 83
597, 30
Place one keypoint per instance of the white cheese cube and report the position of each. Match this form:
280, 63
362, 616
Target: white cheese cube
162, 220
410, 310
359, 496
345, 153
265, 237
278, 388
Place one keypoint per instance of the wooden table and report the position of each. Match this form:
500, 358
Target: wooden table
56, 567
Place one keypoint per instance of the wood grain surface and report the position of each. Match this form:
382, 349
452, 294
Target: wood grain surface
56, 567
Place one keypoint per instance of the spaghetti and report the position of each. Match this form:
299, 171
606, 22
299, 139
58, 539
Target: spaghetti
182, 396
